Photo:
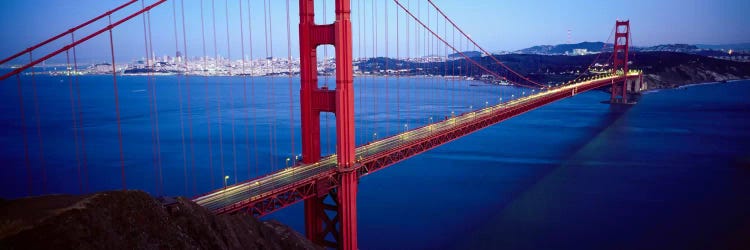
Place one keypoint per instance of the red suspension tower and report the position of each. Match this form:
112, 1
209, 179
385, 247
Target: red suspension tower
342, 226
620, 64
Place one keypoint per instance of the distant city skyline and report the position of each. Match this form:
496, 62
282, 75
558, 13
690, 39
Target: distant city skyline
495, 25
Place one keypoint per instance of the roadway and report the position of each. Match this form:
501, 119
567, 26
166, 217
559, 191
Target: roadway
260, 188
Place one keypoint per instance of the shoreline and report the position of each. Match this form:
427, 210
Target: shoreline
452, 78
692, 85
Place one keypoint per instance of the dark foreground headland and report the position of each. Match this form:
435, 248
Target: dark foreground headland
134, 220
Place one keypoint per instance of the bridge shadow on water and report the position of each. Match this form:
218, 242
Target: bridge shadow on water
524, 209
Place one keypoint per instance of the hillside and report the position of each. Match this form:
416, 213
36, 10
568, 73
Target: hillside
662, 69
467, 53
563, 48
133, 220
669, 70
736, 46
594, 47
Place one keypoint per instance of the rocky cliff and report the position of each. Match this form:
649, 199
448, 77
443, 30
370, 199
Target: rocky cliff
133, 220
669, 70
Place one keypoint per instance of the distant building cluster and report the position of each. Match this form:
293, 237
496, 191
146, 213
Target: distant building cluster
208, 66
219, 66
741, 58
213, 66
579, 52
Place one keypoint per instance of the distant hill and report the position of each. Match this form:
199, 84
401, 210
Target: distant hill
684, 48
562, 49
467, 53
662, 69
694, 49
596, 47
735, 46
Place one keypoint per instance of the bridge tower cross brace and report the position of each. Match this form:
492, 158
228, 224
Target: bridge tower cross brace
340, 101
620, 63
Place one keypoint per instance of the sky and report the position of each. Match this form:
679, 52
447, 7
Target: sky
497, 25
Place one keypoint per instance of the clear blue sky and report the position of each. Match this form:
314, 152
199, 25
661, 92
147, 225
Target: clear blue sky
495, 24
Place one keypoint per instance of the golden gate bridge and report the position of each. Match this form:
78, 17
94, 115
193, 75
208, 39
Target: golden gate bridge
326, 184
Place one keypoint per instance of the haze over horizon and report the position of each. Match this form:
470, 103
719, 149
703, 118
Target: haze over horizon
519, 25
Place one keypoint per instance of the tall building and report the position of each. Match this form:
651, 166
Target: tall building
178, 57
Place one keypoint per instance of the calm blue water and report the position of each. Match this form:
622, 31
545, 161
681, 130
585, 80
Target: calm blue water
671, 171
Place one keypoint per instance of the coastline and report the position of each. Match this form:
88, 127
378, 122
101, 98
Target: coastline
654, 90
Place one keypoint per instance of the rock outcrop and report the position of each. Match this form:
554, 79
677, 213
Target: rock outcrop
134, 220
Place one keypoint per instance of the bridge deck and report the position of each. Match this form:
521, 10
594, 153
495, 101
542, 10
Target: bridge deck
290, 185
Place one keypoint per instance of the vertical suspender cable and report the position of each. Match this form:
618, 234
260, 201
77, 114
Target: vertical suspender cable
430, 68
252, 90
231, 94
468, 74
38, 127
156, 114
274, 135
418, 51
423, 78
74, 120
244, 88
208, 117
269, 54
446, 81
453, 76
149, 86
433, 68
27, 160
187, 95
374, 75
179, 98
117, 106
154, 106
150, 90
398, 73
364, 49
289, 63
80, 119
217, 62
408, 62
417, 81
386, 41
368, 80
439, 62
